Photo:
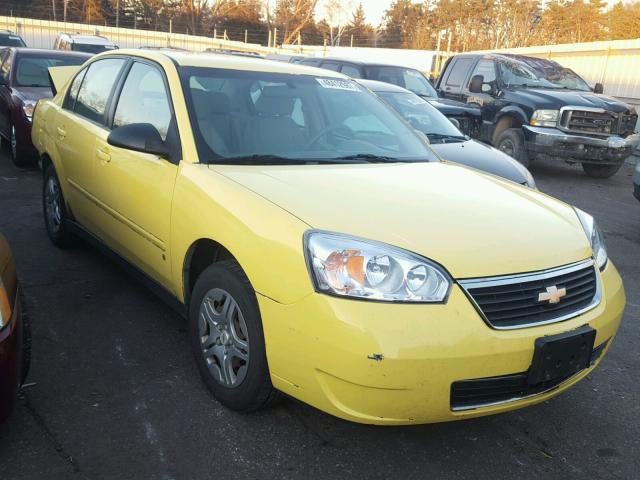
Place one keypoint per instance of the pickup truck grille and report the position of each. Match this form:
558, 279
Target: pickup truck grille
598, 123
514, 301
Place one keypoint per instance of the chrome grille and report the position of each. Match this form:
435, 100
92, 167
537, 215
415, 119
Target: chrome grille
513, 301
597, 122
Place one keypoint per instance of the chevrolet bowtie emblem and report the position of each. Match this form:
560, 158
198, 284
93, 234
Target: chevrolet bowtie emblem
552, 294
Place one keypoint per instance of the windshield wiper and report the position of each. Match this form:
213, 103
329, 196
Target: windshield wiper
369, 158
278, 160
444, 137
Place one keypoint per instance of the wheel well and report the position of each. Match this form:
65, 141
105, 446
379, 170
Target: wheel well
45, 160
201, 254
504, 123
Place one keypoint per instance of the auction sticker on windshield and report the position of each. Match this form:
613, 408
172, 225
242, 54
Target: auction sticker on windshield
338, 84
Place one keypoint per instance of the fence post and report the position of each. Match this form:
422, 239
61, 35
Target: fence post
275, 38
269, 41
245, 36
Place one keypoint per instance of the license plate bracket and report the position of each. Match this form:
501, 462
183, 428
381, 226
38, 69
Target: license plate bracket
560, 356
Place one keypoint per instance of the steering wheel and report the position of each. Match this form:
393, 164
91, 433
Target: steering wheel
331, 128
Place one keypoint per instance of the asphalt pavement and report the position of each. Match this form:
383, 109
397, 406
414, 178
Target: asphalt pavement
113, 391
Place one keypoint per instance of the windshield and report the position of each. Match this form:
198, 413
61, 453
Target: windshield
540, 74
421, 115
301, 118
11, 41
91, 48
403, 77
32, 71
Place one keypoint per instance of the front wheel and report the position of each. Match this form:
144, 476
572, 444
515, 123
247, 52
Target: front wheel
511, 142
596, 170
54, 209
227, 339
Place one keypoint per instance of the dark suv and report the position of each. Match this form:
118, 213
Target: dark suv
10, 39
466, 117
535, 108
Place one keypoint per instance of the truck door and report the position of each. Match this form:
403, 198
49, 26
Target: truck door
488, 100
455, 78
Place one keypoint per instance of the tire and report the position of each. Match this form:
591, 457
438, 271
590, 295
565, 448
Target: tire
511, 142
595, 170
26, 342
227, 339
54, 209
14, 150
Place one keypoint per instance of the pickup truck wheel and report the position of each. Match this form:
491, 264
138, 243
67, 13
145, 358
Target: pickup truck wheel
595, 170
226, 336
511, 142
55, 212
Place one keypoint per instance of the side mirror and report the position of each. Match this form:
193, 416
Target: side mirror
140, 137
476, 84
455, 122
599, 88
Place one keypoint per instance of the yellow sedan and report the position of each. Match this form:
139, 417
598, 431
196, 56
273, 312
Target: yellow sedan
317, 245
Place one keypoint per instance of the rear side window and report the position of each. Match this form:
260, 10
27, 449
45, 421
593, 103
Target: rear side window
351, 71
144, 99
72, 94
5, 70
96, 89
459, 72
331, 66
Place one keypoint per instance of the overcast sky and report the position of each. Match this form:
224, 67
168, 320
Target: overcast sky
374, 9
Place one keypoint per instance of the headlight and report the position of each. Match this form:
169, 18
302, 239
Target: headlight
545, 118
28, 108
5, 306
594, 236
352, 267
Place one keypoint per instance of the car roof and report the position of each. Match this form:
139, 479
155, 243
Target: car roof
26, 52
230, 62
88, 39
363, 62
377, 86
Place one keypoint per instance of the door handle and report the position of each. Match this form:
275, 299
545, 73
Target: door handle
61, 133
103, 155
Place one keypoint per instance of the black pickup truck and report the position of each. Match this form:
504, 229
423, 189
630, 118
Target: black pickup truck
534, 108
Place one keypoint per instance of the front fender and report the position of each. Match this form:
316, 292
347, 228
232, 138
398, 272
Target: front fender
266, 240
513, 111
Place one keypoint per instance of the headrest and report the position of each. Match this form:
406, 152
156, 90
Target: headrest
31, 69
210, 102
275, 101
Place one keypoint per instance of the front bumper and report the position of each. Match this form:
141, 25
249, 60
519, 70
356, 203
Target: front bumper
552, 142
10, 355
384, 363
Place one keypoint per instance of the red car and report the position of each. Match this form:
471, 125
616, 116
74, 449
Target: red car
24, 79
15, 335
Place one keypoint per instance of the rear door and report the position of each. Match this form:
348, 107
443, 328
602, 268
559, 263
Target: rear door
134, 190
77, 126
6, 61
456, 78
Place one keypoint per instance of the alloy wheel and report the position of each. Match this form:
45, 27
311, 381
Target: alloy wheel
224, 338
14, 142
53, 204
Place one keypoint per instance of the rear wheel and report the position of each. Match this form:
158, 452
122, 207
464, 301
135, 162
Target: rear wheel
55, 212
14, 149
511, 142
225, 330
595, 170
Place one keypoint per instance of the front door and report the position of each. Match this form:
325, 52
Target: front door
134, 190
487, 99
77, 125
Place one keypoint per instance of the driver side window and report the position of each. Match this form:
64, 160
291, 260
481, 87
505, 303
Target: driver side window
487, 69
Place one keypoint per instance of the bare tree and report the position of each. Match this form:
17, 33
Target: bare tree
336, 14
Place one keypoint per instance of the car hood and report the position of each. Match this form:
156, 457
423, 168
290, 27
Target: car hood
33, 93
482, 157
554, 99
473, 224
452, 107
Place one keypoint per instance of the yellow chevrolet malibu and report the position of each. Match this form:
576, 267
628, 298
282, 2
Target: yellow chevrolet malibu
317, 245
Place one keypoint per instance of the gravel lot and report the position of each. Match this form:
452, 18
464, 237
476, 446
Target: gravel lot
116, 394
